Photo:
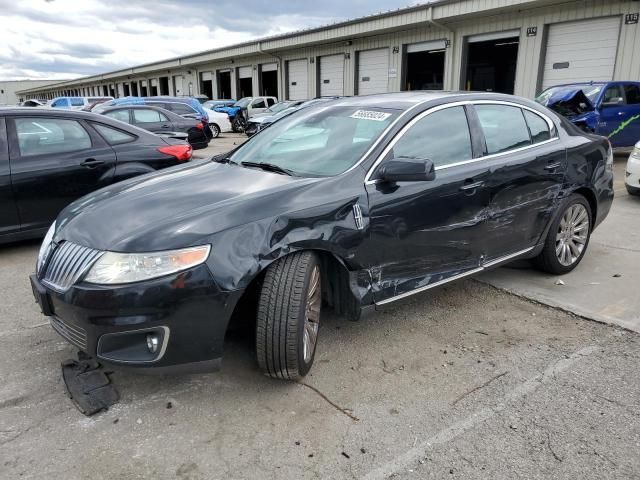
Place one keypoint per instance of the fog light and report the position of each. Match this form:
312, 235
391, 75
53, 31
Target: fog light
152, 342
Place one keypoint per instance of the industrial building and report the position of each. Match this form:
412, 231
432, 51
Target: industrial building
9, 89
509, 46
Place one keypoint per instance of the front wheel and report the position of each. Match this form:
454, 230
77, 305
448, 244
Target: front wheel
289, 316
568, 237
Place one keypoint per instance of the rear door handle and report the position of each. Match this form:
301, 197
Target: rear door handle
469, 187
92, 163
552, 166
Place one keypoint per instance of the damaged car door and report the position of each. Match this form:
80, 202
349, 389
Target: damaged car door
427, 231
526, 175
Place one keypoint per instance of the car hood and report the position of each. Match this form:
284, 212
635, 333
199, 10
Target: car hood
177, 207
569, 102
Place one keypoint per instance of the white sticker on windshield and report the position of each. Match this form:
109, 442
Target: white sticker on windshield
371, 115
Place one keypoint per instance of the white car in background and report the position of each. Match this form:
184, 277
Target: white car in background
218, 122
632, 174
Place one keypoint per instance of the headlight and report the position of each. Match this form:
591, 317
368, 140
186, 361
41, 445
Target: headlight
45, 248
636, 152
114, 268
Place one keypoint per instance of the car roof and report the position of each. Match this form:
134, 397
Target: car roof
406, 100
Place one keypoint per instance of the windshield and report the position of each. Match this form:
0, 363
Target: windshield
243, 102
317, 142
590, 91
278, 107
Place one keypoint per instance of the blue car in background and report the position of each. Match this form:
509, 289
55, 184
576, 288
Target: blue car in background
610, 109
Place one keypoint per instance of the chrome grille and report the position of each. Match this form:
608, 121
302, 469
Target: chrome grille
72, 334
67, 264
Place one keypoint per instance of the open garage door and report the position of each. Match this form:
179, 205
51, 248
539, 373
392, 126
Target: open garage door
245, 82
491, 61
297, 79
373, 71
424, 65
581, 51
332, 75
224, 84
269, 79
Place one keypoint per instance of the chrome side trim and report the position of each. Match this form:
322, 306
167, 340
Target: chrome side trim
455, 277
506, 257
431, 285
391, 144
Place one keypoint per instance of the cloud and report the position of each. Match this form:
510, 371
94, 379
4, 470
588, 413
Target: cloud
68, 39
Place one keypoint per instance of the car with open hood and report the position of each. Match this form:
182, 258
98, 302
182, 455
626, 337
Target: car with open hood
611, 109
350, 204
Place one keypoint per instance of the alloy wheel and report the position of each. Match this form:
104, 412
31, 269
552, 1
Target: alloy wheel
312, 315
572, 234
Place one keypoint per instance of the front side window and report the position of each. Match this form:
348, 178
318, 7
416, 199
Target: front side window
538, 127
442, 137
113, 136
270, 101
77, 102
323, 141
614, 94
122, 115
504, 127
259, 104
41, 136
143, 115
60, 103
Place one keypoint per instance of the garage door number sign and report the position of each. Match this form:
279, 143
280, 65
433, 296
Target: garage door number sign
631, 18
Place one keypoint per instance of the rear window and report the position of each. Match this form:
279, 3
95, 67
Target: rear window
504, 127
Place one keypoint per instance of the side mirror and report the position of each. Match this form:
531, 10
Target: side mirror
404, 169
613, 102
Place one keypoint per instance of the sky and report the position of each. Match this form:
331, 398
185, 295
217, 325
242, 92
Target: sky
64, 39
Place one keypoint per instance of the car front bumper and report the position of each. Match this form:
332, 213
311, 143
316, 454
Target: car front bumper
186, 312
632, 172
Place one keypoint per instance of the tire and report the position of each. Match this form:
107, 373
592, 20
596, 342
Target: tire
288, 313
215, 130
566, 243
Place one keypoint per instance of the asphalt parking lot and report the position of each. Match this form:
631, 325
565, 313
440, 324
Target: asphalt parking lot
465, 381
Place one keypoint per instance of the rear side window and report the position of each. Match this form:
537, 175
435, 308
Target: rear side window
113, 136
538, 127
504, 127
148, 116
633, 94
41, 136
181, 108
76, 102
122, 115
442, 137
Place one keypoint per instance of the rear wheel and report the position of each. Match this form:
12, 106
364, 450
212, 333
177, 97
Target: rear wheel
568, 237
215, 130
289, 316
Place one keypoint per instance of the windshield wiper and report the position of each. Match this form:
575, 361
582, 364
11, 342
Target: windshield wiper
269, 167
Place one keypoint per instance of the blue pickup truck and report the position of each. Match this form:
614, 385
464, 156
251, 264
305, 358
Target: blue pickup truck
611, 109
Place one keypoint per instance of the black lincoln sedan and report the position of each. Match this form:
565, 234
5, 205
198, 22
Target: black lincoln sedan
161, 122
354, 204
51, 157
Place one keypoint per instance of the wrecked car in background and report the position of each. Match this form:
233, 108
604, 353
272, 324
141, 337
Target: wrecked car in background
326, 206
610, 109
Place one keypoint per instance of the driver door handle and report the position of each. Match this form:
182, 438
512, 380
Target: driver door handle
469, 187
92, 163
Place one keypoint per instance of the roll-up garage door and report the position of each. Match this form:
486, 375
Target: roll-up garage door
298, 79
244, 72
373, 71
332, 75
581, 51
269, 67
